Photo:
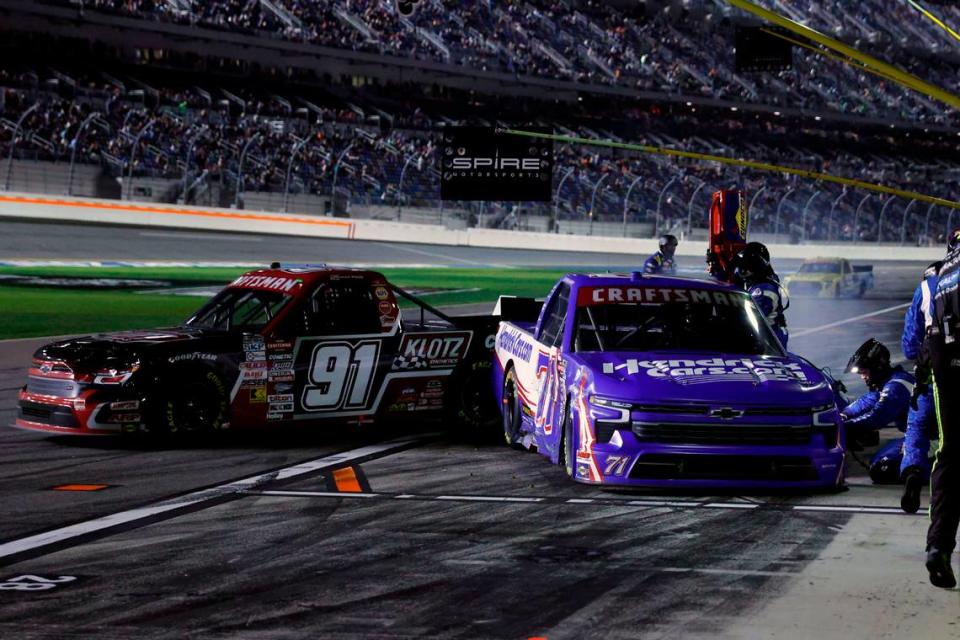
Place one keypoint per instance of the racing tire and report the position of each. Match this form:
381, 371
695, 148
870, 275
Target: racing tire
511, 409
471, 403
567, 449
197, 401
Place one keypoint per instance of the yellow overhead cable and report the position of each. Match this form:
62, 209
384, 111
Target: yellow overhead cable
832, 56
750, 164
937, 21
902, 77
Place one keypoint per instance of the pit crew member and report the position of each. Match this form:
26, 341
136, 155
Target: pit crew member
661, 263
763, 285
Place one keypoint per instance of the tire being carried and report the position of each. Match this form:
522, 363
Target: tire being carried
197, 401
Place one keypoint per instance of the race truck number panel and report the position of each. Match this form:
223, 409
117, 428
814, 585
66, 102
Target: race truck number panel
276, 346
660, 381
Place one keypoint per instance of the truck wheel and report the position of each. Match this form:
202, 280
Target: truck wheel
567, 448
471, 399
511, 409
196, 402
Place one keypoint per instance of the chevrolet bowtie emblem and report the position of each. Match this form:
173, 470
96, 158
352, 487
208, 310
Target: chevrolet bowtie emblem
726, 413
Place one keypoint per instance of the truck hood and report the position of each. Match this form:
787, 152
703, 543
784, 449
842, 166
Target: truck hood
119, 349
706, 378
813, 277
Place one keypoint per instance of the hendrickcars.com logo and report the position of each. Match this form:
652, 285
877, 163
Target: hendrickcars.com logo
480, 163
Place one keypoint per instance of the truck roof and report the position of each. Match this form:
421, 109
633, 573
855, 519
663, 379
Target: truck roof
294, 278
640, 279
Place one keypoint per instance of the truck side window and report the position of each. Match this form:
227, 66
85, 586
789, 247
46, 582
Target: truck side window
341, 308
551, 334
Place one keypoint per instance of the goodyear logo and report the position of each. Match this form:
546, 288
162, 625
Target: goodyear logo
741, 216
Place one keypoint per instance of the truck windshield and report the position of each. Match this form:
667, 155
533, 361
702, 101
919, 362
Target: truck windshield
724, 322
820, 267
239, 310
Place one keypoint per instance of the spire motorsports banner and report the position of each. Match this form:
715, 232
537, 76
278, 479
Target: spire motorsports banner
480, 163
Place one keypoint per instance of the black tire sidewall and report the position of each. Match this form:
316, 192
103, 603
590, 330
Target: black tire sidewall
216, 399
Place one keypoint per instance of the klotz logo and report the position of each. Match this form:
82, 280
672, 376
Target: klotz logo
407, 7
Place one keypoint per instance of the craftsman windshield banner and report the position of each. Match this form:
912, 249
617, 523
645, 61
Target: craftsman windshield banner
481, 164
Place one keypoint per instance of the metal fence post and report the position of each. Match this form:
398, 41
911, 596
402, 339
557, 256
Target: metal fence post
556, 198
856, 217
294, 150
243, 156
690, 207
13, 143
73, 148
883, 210
186, 169
403, 173
783, 200
926, 226
803, 215
753, 201
593, 198
133, 155
663, 193
626, 203
833, 209
336, 170
903, 223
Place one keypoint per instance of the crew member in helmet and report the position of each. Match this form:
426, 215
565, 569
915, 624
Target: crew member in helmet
887, 401
752, 269
661, 263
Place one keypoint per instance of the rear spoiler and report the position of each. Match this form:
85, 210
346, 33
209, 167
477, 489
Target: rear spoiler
863, 268
513, 308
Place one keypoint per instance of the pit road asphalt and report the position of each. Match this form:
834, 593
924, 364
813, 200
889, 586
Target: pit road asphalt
244, 536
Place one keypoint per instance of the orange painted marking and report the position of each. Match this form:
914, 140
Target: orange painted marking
346, 480
80, 487
179, 212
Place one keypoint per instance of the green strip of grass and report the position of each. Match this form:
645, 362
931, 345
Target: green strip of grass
41, 311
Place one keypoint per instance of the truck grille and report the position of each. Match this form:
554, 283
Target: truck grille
52, 387
709, 467
47, 414
722, 434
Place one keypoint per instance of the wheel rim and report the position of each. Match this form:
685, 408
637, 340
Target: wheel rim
196, 407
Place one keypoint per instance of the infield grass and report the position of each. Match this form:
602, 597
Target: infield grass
47, 311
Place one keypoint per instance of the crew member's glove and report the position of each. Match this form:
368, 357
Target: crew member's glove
924, 377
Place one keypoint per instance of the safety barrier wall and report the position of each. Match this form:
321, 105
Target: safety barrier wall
86, 210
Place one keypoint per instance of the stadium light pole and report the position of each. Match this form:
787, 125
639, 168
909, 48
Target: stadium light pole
133, 154
903, 223
696, 192
856, 216
73, 148
926, 226
593, 198
556, 197
13, 142
753, 201
186, 168
626, 203
883, 210
803, 215
243, 156
336, 170
295, 149
663, 194
833, 208
783, 200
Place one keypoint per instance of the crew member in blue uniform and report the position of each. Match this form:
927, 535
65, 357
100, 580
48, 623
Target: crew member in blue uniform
886, 402
763, 285
661, 263
922, 419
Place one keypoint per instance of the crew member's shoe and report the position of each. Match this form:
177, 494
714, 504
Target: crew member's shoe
941, 573
912, 486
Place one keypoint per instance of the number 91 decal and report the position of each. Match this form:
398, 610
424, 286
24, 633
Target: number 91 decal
340, 375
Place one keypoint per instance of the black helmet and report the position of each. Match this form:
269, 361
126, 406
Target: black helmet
750, 267
875, 358
668, 245
953, 239
757, 248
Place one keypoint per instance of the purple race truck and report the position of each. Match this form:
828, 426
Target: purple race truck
636, 380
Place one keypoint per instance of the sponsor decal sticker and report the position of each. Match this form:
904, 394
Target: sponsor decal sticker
272, 415
589, 296
190, 357
710, 370
426, 351
267, 282
255, 364
125, 405
282, 407
381, 293
283, 397
514, 343
254, 374
258, 395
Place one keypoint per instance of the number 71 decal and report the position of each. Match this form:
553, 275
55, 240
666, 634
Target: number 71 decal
340, 375
616, 465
